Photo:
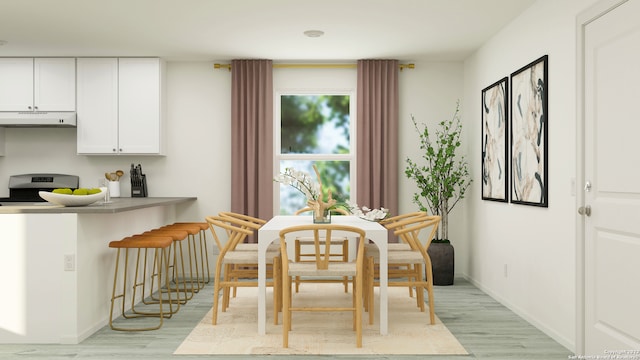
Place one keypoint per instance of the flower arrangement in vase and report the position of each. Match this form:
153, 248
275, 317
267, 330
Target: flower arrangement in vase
302, 182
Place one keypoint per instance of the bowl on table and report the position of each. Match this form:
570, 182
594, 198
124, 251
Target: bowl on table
71, 200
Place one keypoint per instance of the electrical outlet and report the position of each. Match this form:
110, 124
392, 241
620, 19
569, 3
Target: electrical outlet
69, 262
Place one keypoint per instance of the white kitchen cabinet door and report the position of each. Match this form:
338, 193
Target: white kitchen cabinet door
119, 106
16, 84
54, 84
97, 131
140, 103
40, 84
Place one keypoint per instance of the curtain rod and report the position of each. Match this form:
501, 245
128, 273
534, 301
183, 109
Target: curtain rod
314, 66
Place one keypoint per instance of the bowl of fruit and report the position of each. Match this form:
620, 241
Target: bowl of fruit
77, 197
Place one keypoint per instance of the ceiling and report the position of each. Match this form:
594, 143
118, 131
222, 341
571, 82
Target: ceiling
433, 30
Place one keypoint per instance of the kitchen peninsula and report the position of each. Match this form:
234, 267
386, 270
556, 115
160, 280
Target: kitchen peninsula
58, 267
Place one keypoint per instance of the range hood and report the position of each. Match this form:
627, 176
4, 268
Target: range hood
38, 119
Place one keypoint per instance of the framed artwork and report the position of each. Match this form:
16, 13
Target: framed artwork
495, 126
529, 128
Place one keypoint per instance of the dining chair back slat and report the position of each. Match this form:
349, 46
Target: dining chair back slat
320, 268
339, 247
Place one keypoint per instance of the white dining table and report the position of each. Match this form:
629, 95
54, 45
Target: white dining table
270, 232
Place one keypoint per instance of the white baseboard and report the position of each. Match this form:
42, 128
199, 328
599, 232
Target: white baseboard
526, 316
71, 340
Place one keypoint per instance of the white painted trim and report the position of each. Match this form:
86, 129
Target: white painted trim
524, 315
82, 336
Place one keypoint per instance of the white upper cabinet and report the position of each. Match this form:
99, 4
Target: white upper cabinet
16, 84
37, 84
120, 106
55, 84
97, 130
140, 102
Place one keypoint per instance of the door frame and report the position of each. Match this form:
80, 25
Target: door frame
584, 18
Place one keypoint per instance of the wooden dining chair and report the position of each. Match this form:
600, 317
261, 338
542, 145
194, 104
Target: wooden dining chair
238, 268
254, 224
371, 250
322, 267
389, 222
339, 251
245, 246
410, 267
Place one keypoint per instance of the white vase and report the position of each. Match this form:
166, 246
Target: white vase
114, 189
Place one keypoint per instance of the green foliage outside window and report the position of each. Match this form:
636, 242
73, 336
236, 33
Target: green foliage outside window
315, 125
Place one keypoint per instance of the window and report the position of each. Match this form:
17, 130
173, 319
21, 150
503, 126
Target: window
315, 129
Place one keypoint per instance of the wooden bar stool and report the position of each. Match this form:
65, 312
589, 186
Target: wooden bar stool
197, 283
158, 243
141, 281
204, 261
177, 268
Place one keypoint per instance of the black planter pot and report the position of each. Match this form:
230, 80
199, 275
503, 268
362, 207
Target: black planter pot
442, 261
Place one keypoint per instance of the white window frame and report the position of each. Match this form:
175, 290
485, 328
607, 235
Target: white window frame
277, 126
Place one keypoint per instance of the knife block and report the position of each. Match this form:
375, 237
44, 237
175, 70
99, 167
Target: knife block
139, 187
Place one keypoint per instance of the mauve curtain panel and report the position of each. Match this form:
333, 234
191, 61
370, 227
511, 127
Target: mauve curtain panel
377, 132
252, 137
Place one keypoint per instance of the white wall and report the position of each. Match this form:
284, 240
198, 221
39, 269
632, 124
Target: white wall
198, 161
537, 245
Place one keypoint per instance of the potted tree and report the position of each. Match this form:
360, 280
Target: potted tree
442, 181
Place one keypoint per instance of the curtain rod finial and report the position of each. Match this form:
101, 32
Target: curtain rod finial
221, 66
408, 66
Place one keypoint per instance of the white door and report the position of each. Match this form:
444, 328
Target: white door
612, 169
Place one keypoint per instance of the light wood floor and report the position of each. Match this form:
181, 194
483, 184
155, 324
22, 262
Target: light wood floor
485, 328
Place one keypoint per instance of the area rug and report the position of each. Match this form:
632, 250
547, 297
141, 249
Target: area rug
320, 333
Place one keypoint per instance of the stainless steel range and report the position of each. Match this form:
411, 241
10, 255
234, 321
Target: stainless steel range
25, 187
